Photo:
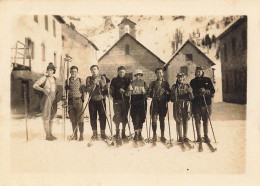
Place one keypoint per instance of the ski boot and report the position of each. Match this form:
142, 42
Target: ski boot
154, 139
180, 140
103, 135
135, 137
206, 139
94, 136
186, 139
163, 139
49, 138
81, 137
140, 137
117, 135
123, 135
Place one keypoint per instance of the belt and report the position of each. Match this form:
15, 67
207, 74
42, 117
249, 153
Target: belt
74, 98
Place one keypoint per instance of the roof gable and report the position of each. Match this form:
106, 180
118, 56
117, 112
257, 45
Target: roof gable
125, 20
195, 47
231, 26
131, 37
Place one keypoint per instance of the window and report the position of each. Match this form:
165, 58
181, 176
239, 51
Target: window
43, 51
63, 40
127, 48
55, 58
225, 53
54, 28
35, 18
184, 70
46, 22
233, 46
188, 57
29, 44
127, 30
244, 39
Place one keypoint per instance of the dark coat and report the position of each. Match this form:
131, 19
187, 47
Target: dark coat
202, 82
117, 83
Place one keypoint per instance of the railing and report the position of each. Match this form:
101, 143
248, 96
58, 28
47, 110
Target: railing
21, 53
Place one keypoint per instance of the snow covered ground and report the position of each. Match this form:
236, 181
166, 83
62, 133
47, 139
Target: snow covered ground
41, 156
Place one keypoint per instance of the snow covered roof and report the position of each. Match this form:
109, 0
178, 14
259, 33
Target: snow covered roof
199, 51
128, 35
126, 20
231, 26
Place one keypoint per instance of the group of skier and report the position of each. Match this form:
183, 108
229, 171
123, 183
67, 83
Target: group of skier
192, 99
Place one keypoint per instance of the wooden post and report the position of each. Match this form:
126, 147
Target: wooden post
25, 108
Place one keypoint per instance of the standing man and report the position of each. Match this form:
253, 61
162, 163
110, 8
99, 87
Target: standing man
202, 88
75, 102
95, 85
181, 94
118, 88
138, 90
159, 92
47, 85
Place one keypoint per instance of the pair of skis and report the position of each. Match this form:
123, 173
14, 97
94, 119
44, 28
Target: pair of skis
108, 141
212, 149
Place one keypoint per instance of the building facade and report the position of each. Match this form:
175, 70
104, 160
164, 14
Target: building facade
129, 52
36, 41
185, 60
232, 43
82, 50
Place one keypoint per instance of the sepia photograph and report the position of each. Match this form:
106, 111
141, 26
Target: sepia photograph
94, 79
128, 94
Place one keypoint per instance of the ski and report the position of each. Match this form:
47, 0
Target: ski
90, 143
109, 142
135, 144
141, 143
188, 144
211, 147
153, 142
118, 142
182, 146
167, 144
200, 147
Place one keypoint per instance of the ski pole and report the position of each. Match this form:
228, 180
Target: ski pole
25, 109
169, 124
106, 114
175, 114
151, 113
209, 118
126, 114
110, 114
90, 95
145, 108
193, 124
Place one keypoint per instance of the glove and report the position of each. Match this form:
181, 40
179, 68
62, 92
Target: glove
122, 91
202, 91
207, 92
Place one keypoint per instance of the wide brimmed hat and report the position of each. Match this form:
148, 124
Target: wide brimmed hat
138, 71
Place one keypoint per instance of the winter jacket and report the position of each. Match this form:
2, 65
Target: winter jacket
159, 90
181, 92
98, 93
202, 82
117, 83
